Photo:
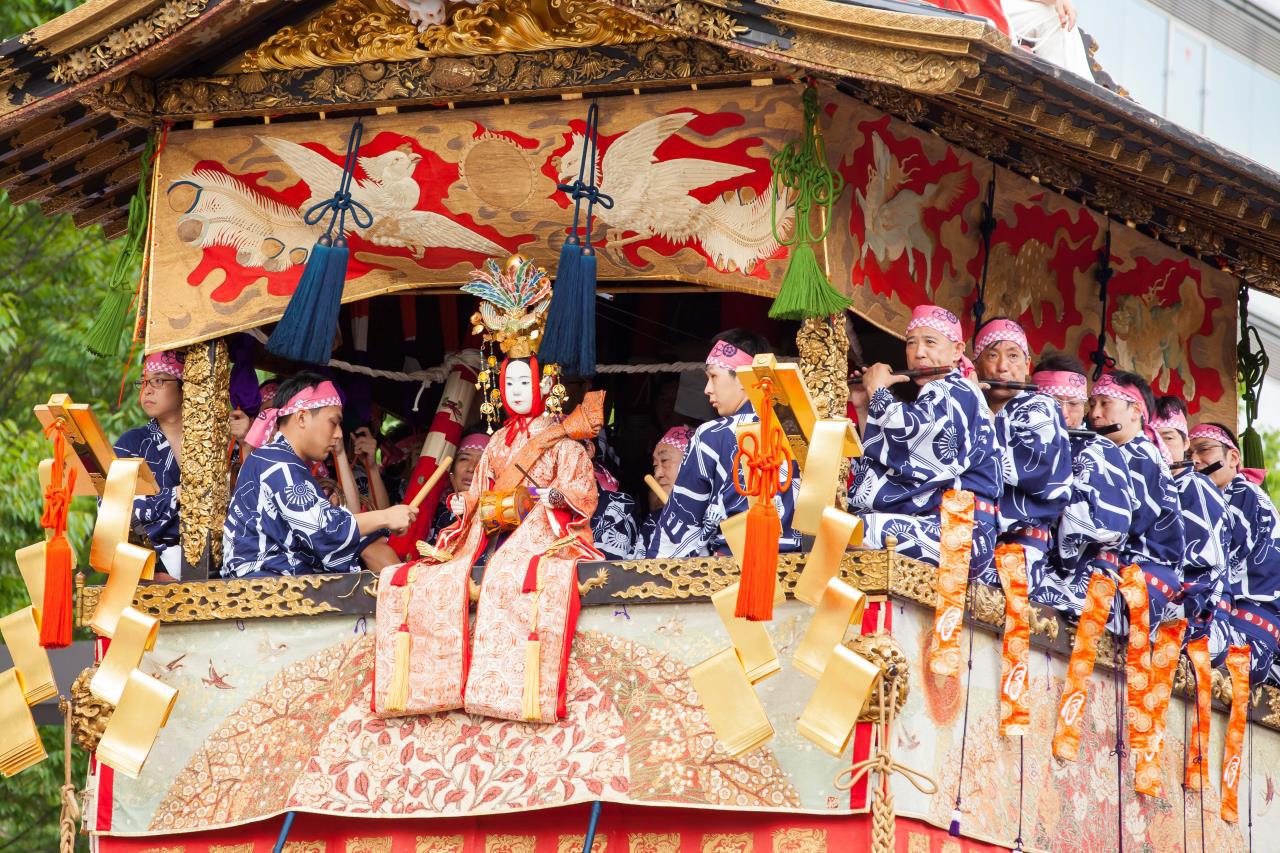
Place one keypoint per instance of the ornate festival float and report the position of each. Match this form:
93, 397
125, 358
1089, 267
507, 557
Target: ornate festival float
604, 184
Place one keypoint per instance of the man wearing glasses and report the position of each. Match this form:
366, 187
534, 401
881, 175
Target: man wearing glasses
159, 442
1253, 574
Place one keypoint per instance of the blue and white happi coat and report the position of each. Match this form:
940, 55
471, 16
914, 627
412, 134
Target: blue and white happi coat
1206, 534
704, 494
613, 525
1035, 457
1155, 540
1253, 572
1095, 519
157, 514
915, 452
280, 523
644, 537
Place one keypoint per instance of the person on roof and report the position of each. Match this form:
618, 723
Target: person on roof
704, 493
914, 453
279, 522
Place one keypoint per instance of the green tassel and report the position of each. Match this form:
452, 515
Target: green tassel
805, 291
1251, 444
103, 339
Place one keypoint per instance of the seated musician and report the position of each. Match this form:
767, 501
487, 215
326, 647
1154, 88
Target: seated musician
704, 493
1121, 406
1032, 437
159, 442
668, 454
1253, 556
914, 452
1206, 532
1096, 518
278, 522
613, 524
470, 447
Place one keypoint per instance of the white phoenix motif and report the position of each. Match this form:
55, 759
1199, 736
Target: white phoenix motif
651, 198
894, 216
268, 234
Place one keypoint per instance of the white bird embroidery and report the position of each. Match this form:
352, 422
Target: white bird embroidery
894, 216
652, 198
271, 235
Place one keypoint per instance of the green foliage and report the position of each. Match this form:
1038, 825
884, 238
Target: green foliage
1271, 453
54, 282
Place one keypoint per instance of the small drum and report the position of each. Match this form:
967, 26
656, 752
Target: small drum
501, 512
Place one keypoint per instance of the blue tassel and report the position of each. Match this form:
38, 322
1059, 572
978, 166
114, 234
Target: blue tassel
559, 339
954, 829
586, 365
305, 332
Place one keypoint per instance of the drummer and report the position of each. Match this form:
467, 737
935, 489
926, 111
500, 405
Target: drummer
704, 493
1032, 436
915, 452
279, 522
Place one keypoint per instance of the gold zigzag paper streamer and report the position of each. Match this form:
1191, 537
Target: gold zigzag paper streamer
31, 566
841, 605
831, 714
20, 745
135, 634
142, 711
837, 530
750, 639
111, 552
821, 477
21, 632
735, 712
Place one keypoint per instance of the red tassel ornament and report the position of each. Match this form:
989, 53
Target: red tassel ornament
59, 558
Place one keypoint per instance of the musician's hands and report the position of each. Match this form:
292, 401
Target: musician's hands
879, 375
239, 423
365, 446
400, 517
457, 504
858, 395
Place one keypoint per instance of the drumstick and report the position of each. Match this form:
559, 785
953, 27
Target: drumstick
657, 490
431, 482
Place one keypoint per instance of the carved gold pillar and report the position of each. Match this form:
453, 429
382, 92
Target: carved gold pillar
823, 345
206, 435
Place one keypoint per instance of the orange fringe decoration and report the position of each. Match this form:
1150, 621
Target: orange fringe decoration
1164, 663
1084, 653
762, 457
1238, 667
1015, 688
59, 558
955, 549
1198, 754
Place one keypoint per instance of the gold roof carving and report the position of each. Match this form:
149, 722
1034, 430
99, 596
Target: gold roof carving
356, 31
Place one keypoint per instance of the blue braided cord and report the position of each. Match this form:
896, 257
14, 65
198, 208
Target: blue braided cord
337, 207
584, 188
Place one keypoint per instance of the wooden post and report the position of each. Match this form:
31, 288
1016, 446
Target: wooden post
206, 438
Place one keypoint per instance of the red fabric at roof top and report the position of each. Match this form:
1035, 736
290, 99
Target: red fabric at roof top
989, 9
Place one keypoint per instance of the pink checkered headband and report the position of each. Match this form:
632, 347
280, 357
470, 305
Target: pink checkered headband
475, 441
938, 319
1107, 386
728, 357
1213, 433
1001, 330
1177, 421
163, 362
677, 437
264, 425
1062, 384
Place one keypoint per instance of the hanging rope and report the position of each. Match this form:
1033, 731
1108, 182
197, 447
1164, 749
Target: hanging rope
1102, 361
986, 229
954, 828
1252, 363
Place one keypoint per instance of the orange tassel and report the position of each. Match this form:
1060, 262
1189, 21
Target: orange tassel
55, 610
761, 458
59, 558
759, 563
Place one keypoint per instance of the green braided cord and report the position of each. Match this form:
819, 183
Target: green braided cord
1252, 363
800, 170
103, 338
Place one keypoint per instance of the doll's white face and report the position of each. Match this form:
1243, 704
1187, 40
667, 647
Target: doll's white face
519, 388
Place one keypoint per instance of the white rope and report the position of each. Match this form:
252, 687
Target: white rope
436, 375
